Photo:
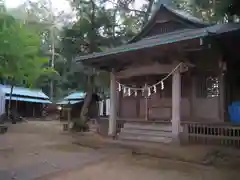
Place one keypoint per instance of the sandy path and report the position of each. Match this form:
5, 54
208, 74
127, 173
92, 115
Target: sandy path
145, 168
31, 149
35, 149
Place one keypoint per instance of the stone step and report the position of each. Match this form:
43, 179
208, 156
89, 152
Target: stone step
143, 138
152, 127
93, 128
146, 132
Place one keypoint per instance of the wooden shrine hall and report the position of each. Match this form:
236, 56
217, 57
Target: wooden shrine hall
173, 81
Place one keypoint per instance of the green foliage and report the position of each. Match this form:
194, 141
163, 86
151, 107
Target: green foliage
232, 7
97, 28
213, 11
19, 52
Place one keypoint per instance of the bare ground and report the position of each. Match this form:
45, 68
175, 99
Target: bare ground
30, 149
34, 149
28, 142
143, 168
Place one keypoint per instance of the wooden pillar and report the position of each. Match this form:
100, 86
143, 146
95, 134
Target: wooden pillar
69, 117
146, 108
34, 104
17, 106
120, 98
100, 107
113, 103
117, 104
221, 97
146, 103
138, 106
176, 100
192, 96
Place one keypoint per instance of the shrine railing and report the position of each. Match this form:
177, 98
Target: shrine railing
211, 133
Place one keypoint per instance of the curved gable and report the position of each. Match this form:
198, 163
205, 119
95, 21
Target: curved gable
166, 19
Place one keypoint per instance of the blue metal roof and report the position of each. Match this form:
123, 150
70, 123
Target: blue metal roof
70, 101
75, 96
21, 91
29, 100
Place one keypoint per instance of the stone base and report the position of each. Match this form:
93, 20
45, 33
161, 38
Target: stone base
65, 127
176, 140
112, 136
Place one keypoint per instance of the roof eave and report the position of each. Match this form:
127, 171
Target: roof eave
148, 44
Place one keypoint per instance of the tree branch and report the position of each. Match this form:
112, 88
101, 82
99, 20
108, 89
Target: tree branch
126, 8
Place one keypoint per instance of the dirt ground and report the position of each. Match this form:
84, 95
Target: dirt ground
142, 168
28, 142
34, 149
40, 150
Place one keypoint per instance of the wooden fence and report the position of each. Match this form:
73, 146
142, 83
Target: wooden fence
224, 134
213, 134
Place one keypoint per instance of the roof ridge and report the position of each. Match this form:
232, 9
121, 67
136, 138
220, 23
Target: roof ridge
9, 86
23, 91
75, 92
167, 5
181, 13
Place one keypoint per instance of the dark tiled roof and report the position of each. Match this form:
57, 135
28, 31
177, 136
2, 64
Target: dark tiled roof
157, 40
196, 22
223, 28
166, 38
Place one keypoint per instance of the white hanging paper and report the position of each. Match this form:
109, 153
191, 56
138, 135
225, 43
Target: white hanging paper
201, 41
135, 92
149, 92
162, 85
154, 89
124, 90
119, 87
129, 92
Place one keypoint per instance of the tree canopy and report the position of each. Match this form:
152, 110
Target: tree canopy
20, 60
95, 25
34, 38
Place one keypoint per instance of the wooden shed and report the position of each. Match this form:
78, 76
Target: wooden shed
24, 101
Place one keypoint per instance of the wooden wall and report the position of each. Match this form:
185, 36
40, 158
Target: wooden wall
193, 107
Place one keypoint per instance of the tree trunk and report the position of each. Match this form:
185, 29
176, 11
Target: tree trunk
81, 124
10, 101
87, 100
84, 115
147, 14
86, 106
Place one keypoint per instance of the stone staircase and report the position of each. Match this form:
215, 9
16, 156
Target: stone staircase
92, 126
151, 132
